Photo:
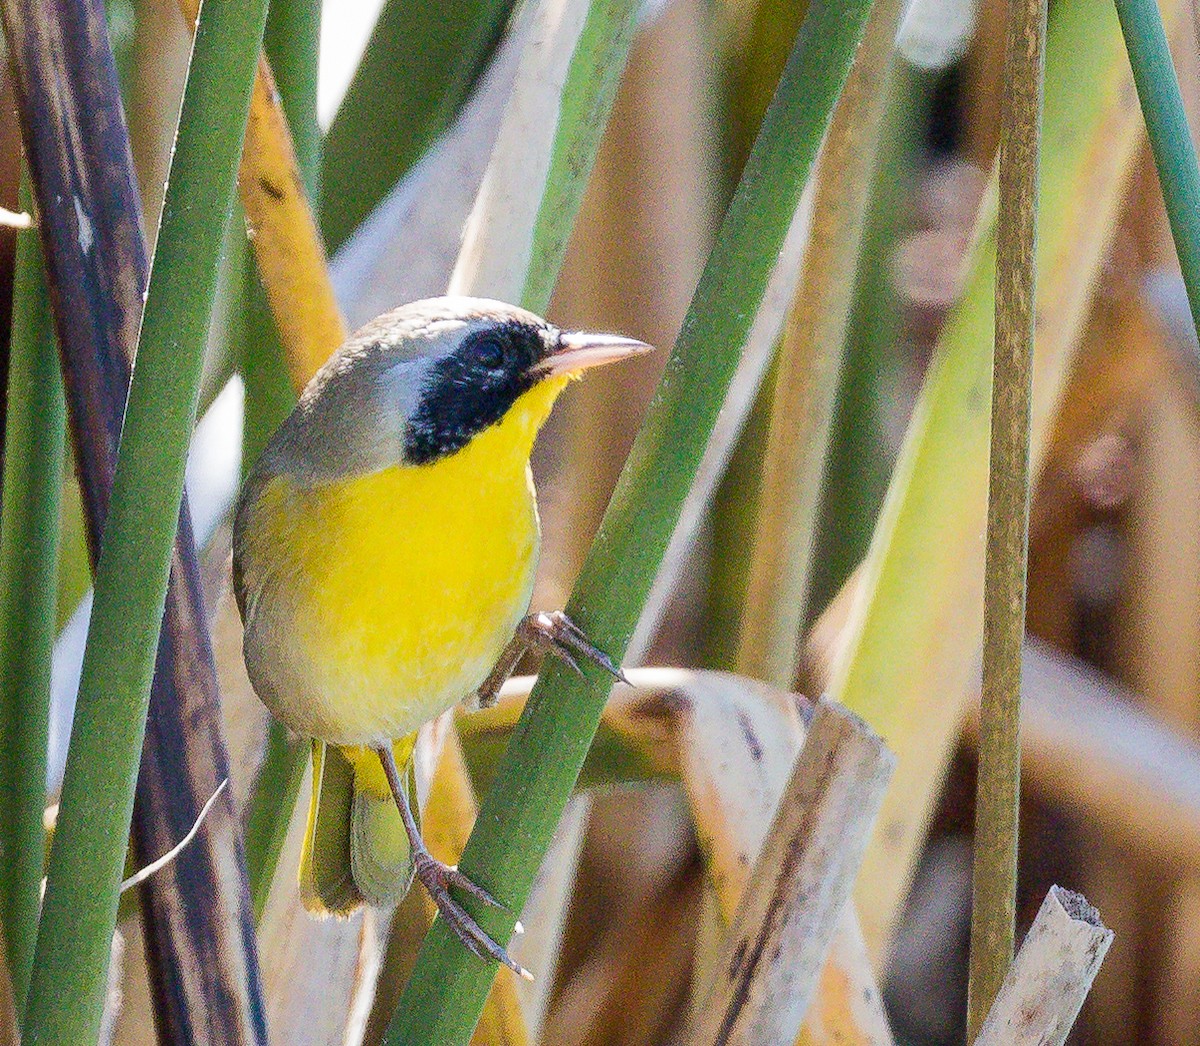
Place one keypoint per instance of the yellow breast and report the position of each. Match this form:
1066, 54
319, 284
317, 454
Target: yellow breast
375, 602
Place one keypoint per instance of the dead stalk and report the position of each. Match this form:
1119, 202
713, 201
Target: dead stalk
1051, 975
794, 901
995, 872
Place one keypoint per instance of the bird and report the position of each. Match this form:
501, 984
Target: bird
384, 550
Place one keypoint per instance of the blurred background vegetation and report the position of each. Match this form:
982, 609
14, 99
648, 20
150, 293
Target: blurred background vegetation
394, 107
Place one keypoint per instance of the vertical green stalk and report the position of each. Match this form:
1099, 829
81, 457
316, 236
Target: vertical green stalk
732, 515
269, 395
29, 534
291, 43
71, 959
995, 868
772, 33
446, 992
753, 72
1170, 136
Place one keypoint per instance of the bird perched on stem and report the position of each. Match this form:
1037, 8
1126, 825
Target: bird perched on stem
384, 553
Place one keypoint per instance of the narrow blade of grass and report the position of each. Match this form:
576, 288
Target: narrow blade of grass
734, 449
1170, 135
993, 912
858, 465
29, 531
280, 776
584, 108
71, 960
292, 44
9, 1033
446, 992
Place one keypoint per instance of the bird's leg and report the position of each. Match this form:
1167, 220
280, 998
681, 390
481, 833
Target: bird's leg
438, 878
550, 633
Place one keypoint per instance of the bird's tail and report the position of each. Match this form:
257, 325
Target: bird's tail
355, 846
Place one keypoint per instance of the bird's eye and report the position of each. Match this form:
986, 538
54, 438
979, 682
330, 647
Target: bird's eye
489, 350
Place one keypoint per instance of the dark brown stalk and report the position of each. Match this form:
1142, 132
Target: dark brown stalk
199, 926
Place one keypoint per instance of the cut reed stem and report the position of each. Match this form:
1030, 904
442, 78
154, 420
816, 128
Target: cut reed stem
1047, 984
793, 902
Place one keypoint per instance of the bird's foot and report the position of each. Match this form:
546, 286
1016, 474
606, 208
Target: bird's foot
554, 633
550, 632
438, 879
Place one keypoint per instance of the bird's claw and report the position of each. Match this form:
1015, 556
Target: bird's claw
438, 878
554, 632
550, 632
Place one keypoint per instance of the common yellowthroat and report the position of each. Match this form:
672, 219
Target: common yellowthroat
384, 552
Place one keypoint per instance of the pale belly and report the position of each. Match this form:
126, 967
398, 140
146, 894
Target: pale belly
384, 601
